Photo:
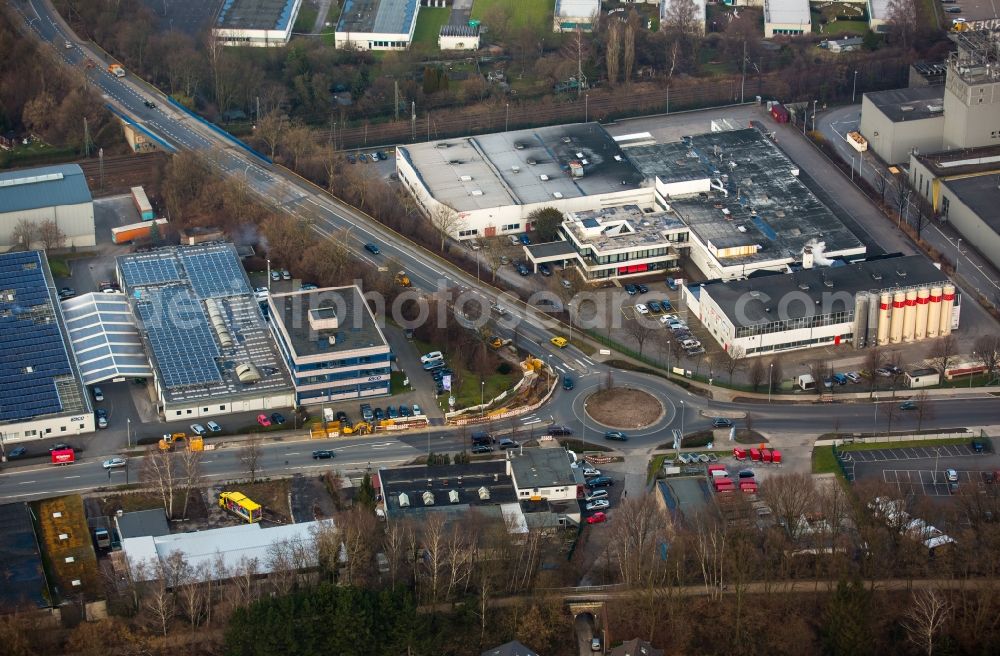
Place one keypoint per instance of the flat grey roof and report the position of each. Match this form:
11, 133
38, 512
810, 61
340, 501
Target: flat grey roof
910, 104
23, 577
255, 14
356, 327
670, 162
961, 162
685, 496
522, 166
199, 319
378, 16
622, 227
459, 30
465, 479
764, 204
746, 302
49, 186
551, 249
535, 467
787, 11
143, 523
577, 8
981, 194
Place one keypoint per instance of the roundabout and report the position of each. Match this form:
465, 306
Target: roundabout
623, 407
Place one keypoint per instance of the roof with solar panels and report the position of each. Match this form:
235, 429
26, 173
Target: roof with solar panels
201, 324
38, 375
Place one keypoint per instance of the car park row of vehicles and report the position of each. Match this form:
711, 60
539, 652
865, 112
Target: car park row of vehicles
374, 156
434, 364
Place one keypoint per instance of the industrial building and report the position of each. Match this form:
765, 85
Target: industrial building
377, 24
104, 338
41, 394
222, 553
887, 301
332, 344
963, 188
544, 474
962, 114
571, 15
51, 193
729, 200
494, 181
458, 37
897, 121
202, 329
257, 23
786, 18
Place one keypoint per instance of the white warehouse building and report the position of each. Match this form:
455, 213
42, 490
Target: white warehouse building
52, 193
257, 23
377, 24
883, 302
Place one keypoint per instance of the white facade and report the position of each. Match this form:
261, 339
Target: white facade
217, 407
75, 221
67, 425
232, 33
544, 474
786, 17
50, 193
458, 37
570, 15
377, 24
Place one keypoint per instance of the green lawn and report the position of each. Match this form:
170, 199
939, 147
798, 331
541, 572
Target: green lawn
824, 462
873, 446
467, 392
429, 22
304, 21
844, 28
523, 13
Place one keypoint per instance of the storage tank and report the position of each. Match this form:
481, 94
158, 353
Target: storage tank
883, 320
896, 321
861, 302
934, 312
920, 325
947, 302
910, 315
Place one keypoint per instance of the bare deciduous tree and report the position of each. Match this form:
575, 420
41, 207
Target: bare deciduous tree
737, 355
270, 130
24, 234
250, 456
987, 348
628, 46
51, 235
493, 253
640, 330
924, 409
158, 599
613, 54
929, 611
446, 222
162, 471
902, 21
874, 360
790, 496
943, 353
756, 374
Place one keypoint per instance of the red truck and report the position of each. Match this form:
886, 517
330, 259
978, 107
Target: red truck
63, 456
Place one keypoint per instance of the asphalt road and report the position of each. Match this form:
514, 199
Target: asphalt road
428, 273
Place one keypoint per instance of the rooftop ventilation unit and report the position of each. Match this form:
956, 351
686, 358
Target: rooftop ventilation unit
556, 194
453, 496
247, 373
515, 168
404, 500
484, 493
543, 178
876, 275
465, 178
428, 498
477, 192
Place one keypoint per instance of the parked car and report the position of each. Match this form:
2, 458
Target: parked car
431, 357
98, 394
391, 412
323, 454
379, 415
525, 239
16, 453
883, 372
514, 240
263, 420
556, 429
853, 376
351, 158
568, 383
544, 269
722, 422
114, 463
373, 248
482, 448
522, 269
362, 157
631, 289
599, 504
643, 289
840, 379
596, 494
953, 10
596, 645
597, 518
507, 443
616, 435
404, 411
66, 292
416, 410
277, 418
60, 446
214, 427
600, 481
641, 308
589, 472
655, 307
275, 275
198, 429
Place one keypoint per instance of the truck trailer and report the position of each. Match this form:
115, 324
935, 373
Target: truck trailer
136, 231
142, 203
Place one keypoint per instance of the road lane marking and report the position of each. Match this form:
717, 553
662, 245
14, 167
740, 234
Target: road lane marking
27, 482
77, 476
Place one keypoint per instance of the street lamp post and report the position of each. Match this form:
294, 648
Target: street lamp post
971, 376
814, 116
875, 422
770, 372
855, 87
482, 397
269, 276
584, 425
683, 407
569, 311
506, 123
128, 431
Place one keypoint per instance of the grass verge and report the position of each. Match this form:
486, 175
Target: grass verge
872, 446
522, 13
429, 22
655, 465
824, 462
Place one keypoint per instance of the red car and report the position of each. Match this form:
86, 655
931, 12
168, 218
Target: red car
263, 420
597, 518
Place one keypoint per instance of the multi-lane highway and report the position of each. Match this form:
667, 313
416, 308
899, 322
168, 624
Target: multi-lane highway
428, 273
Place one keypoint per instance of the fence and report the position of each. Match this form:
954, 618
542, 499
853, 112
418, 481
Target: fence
516, 412
889, 439
220, 131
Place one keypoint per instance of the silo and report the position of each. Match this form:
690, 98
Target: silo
934, 312
861, 302
896, 321
920, 327
947, 303
883, 320
910, 315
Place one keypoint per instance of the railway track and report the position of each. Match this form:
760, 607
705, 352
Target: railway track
122, 172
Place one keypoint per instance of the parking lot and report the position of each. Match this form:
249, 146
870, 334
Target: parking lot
920, 470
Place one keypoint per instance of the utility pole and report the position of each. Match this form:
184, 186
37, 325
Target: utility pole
413, 120
395, 98
743, 79
854, 88
100, 156
86, 138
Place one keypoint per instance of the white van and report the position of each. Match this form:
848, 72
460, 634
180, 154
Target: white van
806, 382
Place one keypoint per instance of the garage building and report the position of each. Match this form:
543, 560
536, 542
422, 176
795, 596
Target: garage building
51, 193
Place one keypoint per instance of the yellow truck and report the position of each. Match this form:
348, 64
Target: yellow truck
242, 506
116, 69
497, 343
403, 280
170, 441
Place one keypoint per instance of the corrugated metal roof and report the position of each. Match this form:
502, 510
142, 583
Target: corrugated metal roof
30, 189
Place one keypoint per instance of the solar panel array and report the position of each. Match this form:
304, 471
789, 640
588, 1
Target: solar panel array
182, 340
215, 273
32, 352
139, 271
